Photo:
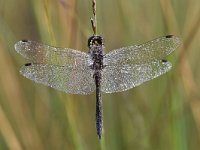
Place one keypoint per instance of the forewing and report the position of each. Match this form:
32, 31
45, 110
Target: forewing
70, 79
121, 78
144, 53
45, 54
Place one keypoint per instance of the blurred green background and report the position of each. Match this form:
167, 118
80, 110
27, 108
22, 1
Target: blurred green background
162, 114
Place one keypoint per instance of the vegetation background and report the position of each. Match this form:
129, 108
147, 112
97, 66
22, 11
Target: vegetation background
162, 114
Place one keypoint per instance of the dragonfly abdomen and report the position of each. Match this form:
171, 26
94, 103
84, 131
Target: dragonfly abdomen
99, 112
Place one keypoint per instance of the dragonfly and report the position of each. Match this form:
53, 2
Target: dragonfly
77, 72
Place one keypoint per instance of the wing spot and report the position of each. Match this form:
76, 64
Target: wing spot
164, 60
169, 36
28, 64
24, 40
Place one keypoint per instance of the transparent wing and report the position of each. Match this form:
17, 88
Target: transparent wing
44, 54
140, 54
70, 79
121, 78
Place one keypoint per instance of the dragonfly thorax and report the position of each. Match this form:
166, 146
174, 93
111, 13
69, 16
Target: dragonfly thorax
95, 44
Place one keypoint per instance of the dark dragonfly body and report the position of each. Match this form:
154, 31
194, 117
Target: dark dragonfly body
95, 44
77, 72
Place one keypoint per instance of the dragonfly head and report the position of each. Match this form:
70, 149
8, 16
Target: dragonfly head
95, 40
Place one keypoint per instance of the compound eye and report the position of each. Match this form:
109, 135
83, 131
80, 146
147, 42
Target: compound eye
95, 40
90, 41
99, 40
